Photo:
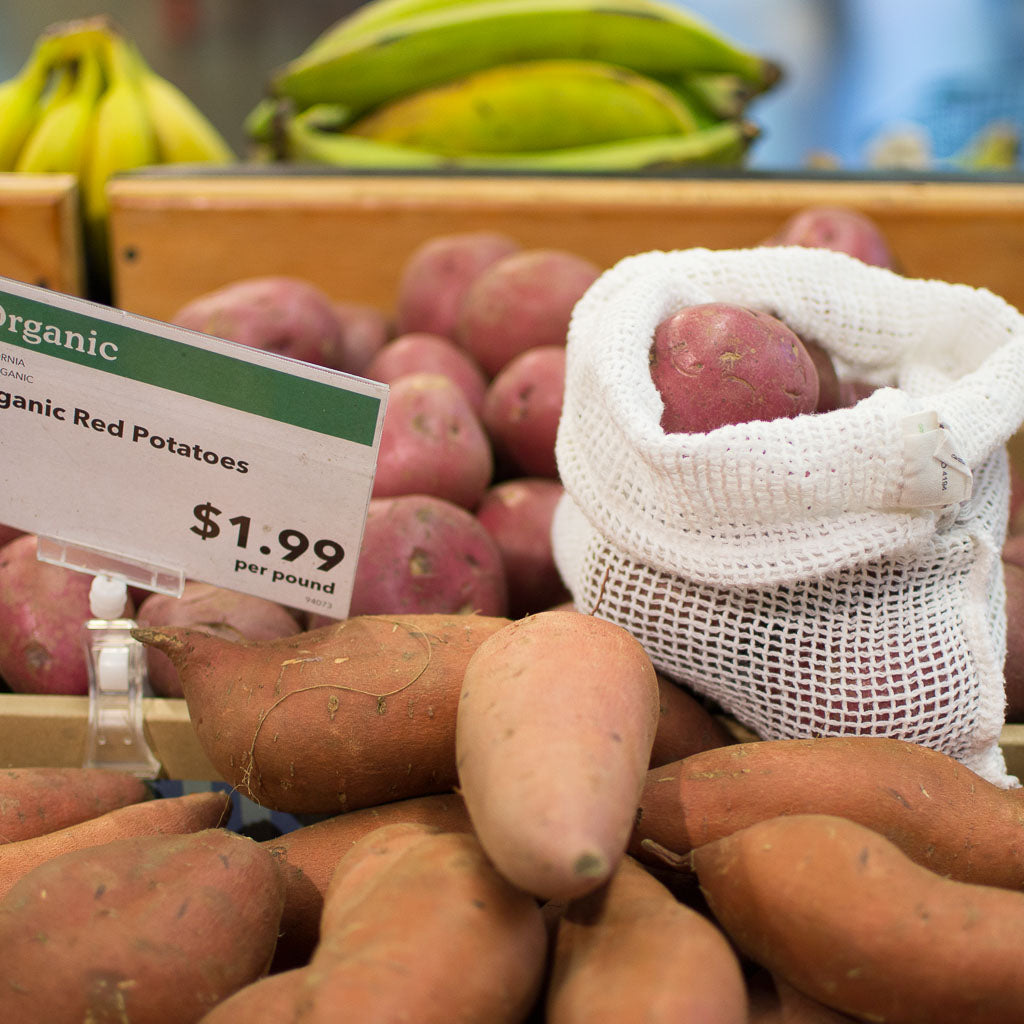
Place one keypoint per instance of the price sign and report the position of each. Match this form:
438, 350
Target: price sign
160, 454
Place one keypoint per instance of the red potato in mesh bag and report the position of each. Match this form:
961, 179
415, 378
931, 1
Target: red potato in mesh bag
521, 410
522, 301
420, 352
432, 442
718, 363
275, 313
422, 554
437, 274
518, 515
555, 727
42, 610
213, 610
839, 228
1013, 668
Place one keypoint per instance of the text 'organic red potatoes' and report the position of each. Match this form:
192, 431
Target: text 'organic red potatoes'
349, 715
717, 363
422, 554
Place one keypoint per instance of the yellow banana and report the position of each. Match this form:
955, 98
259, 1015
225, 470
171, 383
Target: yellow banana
536, 105
19, 97
309, 138
184, 134
369, 68
57, 143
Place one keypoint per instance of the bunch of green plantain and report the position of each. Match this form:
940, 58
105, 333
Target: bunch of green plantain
514, 85
87, 103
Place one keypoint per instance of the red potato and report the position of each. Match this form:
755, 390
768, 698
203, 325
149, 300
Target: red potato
420, 352
35, 801
214, 610
844, 916
1016, 517
275, 313
152, 930
175, 815
518, 515
631, 953
42, 610
522, 301
522, 408
348, 716
830, 392
851, 391
422, 554
422, 926
1013, 667
308, 856
717, 363
8, 533
839, 228
365, 330
432, 442
555, 727
437, 274
938, 812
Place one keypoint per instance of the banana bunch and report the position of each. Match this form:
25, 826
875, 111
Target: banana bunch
520, 85
88, 104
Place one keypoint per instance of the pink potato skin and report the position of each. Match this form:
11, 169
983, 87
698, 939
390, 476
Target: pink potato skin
365, 330
432, 443
522, 408
422, 554
216, 610
838, 228
420, 352
518, 515
8, 533
717, 363
42, 610
522, 301
437, 274
274, 313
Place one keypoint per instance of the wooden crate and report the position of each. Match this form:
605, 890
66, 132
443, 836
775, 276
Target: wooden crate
177, 236
40, 231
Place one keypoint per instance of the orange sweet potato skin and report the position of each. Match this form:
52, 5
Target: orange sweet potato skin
34, 801
938, 812
268, 1000
354, 714
175, 815
554, 734
152, 930
421, 926
630, 953
840, 913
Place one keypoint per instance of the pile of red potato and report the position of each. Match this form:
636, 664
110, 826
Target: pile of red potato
516, 818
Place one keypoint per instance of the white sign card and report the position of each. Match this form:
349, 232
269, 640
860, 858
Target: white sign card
172, 455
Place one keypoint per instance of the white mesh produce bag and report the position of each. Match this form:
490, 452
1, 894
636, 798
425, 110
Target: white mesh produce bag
833, 573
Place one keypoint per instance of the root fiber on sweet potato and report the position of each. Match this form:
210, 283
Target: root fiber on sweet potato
846, 917
554, 733
350, 715
938, 812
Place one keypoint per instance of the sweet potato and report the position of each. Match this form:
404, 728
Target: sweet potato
174, 815
275, 313
213, 610
846, 917
34, 801
308, 856
522, 301
424, 555
437, 274
431, 932
938, 812
419, 352
685, 726
522, 408
432, 442
718, 363
268, 1000
350, 715
42, 609
151, 929
630, 953
839, 228
518, 514
553, 738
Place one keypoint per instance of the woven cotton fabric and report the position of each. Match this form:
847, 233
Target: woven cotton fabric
791, 570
